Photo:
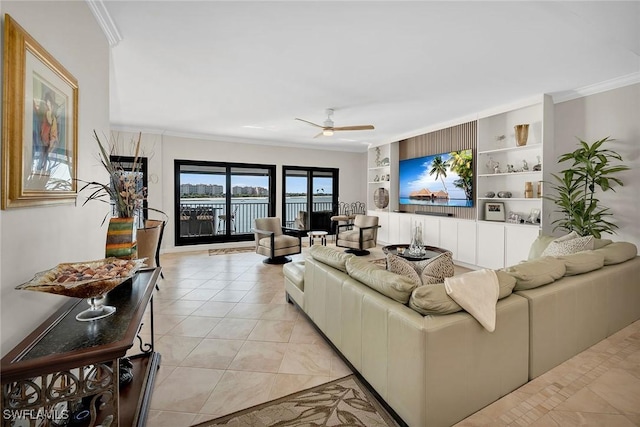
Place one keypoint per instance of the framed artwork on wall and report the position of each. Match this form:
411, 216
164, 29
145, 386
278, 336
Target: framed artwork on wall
40, 124
494, 211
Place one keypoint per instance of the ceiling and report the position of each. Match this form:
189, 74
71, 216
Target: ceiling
243, 71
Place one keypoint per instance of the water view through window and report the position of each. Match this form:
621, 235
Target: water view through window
219, 202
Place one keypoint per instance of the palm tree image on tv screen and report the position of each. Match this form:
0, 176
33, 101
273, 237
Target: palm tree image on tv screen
444, 179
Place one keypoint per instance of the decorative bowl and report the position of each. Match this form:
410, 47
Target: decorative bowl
88, 279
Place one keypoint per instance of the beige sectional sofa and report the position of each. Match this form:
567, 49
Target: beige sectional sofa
576, 311
431, 370
435, 370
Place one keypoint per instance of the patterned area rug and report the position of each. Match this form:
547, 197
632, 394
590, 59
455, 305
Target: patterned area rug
343, 402
225, 251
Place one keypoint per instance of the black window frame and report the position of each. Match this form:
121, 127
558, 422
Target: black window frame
218, 238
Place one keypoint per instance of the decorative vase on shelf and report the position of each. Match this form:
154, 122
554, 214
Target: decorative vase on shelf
522, 134
121, 238
381, 198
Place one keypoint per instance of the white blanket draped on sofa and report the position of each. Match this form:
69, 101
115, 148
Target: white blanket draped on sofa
476, 292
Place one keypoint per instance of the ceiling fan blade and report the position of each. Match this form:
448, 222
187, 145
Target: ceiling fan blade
318, 135
311, 123
360, 127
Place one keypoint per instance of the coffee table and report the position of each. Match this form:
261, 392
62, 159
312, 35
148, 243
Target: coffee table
317, 234
430, 252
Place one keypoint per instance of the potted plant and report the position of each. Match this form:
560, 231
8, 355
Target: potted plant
591, 168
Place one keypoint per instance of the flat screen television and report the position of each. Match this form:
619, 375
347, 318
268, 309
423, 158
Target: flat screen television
444, 179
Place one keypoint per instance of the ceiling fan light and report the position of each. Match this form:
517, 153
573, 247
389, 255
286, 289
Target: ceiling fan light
327, 132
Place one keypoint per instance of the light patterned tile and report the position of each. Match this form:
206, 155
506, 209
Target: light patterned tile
307, 359
238, 390
194, 326
185, 388
213, 354
236, 329
272, 330
259, 356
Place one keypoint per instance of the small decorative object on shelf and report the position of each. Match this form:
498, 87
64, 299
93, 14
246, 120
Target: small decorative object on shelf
539, 189
534, 216
528, 190
496, 168
504, 194
381, 198
514, 218
537, 167
525, 165
491, 165
510, 169
385, 162
490, 194
500, 138
376, 179
522, 134
494, 211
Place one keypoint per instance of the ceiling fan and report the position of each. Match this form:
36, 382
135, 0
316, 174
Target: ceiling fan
328, 128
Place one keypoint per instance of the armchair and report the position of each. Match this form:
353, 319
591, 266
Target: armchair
362, 236
272, 242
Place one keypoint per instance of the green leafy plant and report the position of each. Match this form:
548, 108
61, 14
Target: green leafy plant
576, 187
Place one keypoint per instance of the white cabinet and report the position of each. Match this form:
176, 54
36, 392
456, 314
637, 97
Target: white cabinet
502, 245
382, 177
491, 249
458, 236
518, 241
466, 251
504, 168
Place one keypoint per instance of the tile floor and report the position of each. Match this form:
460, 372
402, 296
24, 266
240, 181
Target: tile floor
229, 340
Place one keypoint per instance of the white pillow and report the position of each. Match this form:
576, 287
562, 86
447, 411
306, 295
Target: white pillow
568, 246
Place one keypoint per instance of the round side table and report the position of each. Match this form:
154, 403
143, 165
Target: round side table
317, 234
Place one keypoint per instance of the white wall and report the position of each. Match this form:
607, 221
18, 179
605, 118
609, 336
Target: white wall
615, 113
38, 238
162, 150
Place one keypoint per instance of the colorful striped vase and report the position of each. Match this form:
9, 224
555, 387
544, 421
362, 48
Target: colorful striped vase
121, 238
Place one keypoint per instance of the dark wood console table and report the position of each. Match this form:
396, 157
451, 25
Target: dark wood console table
64, 362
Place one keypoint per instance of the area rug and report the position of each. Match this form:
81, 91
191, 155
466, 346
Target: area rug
343, 402
226, 251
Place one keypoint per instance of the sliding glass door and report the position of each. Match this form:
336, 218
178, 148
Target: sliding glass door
310, 197
218, 202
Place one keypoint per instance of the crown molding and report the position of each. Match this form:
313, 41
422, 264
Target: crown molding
616, 83
103, 17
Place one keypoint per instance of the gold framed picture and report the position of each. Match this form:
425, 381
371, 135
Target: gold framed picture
40, 131
494, 211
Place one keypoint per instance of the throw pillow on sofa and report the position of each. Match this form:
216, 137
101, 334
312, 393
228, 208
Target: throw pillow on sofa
387, 283
536, 272
543, 240
582, 262
433, 298
618, 252
428, 271
568, 246
330, 256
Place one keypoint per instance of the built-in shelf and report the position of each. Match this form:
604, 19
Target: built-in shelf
513, 199
507, 149
509, 173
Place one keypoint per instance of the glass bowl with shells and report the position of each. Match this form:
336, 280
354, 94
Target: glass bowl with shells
88, 279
